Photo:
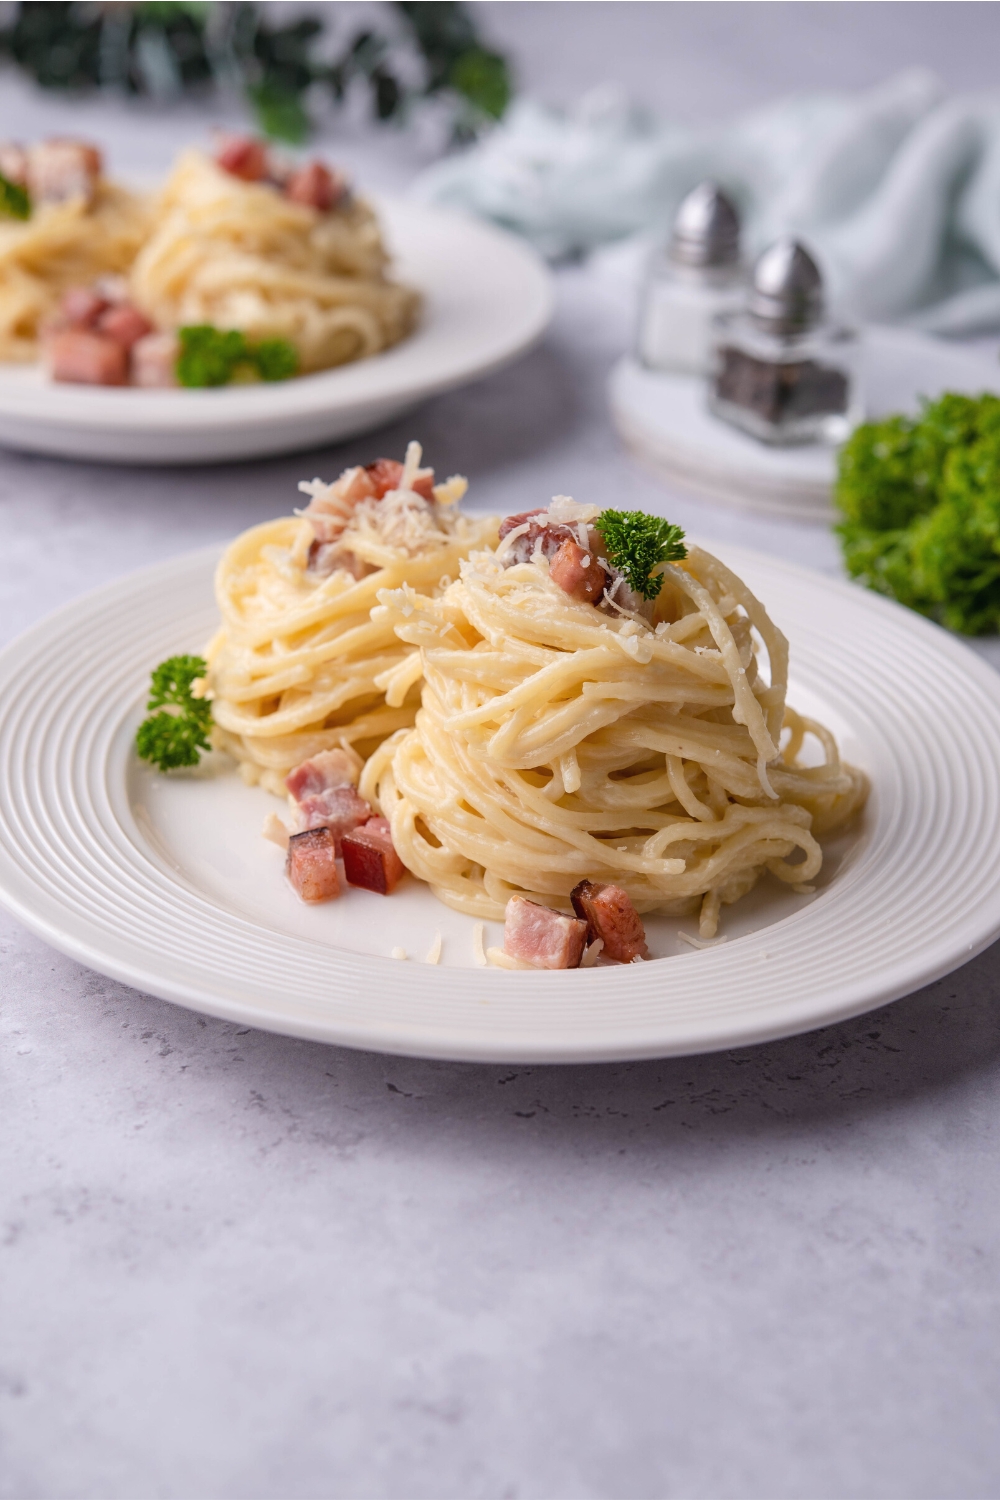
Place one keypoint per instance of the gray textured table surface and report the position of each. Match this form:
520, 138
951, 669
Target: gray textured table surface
238, 1265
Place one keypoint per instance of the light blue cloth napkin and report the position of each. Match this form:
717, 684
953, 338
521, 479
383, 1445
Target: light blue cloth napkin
896, 191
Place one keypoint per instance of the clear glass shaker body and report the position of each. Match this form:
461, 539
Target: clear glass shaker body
678, 310
786, 388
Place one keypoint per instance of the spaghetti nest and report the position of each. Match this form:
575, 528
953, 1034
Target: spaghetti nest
63, 244
558, 741
298, 665
240, 255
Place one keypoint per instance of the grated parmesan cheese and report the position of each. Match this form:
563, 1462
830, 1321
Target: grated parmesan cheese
434, 952
591, 954
478, 952
398, 953
276, 831
695, 942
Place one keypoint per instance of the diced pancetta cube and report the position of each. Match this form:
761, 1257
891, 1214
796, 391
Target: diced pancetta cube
123, 323
311, 865
370, 858
610, 916
578, 573
315, 185
550, 537
327, 769
541, 937
84, 358
339, 808
322, 789
242, 156
386, 473
81, 306
154, 360
59, 169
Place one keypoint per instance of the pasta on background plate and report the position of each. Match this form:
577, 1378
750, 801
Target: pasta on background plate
241, 254
246, 266
79, 228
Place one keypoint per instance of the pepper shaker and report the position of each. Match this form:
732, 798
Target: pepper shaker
782, 372
697, 276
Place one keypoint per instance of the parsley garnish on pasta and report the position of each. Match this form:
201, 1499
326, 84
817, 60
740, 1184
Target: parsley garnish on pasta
215, 356
637, 543
177, 734
14, 200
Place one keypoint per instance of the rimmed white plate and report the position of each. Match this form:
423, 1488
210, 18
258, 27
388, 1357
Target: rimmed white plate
488, 298
165, 882
664, 419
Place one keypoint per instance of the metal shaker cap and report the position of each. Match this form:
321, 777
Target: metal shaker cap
786, 289
706, 229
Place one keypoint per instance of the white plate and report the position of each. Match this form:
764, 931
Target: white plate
488, 298
665, 421
165, 882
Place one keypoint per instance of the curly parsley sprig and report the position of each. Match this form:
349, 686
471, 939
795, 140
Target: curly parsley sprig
216, 356
15, 202
637, 544
177, 734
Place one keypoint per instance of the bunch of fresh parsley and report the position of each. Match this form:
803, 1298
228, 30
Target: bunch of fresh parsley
178, 732
215, 356
921, 505
637, 543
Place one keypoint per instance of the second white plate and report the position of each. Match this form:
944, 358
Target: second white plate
488, 298
166, 884
664, 419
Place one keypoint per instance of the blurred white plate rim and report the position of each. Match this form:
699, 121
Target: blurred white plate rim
488, 299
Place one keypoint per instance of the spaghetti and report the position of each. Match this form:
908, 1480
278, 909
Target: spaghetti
299, 666
561, 740
241, 255
64, 244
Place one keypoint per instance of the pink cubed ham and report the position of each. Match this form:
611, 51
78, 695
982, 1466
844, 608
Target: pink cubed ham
577, 573
324, 795
81, 306
315, 185
153, 360
610, 916
339, 808
386, 473
14, 163
327, 769
123, 323
541, 937
370, 859
550, 538
242, 156
59, 169
311, 865
84, 358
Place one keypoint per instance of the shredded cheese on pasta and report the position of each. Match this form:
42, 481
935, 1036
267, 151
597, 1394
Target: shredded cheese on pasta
557, 742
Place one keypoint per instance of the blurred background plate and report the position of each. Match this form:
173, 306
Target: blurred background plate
663, 419
488, 298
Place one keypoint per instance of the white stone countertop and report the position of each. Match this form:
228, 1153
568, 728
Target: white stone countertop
237, 1265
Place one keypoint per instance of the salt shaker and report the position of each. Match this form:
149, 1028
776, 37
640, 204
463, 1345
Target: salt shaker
690, 282
783, 372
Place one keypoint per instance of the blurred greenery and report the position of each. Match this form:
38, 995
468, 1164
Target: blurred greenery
165, 50
920, 500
